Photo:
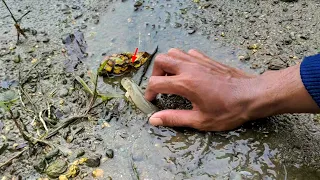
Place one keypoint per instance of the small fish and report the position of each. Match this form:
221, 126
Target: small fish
135, 95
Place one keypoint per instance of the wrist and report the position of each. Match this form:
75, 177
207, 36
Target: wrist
279, 92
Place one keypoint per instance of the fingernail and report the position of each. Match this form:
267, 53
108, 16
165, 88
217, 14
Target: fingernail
156, 121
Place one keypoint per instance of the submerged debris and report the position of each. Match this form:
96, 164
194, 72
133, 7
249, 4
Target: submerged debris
76, 47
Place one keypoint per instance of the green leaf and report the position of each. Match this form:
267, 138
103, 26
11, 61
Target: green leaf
84, 84
7, 99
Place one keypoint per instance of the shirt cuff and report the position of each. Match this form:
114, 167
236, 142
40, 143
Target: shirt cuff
310, 76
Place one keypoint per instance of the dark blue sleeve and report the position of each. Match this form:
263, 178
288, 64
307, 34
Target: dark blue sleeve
310, 75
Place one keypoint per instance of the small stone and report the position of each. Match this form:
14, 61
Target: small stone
305, 36
191, 31
137, 4
75, 7
40, 165
65, 7
77, 16
34, 32
93, 161
244, 57
66, 109
83, 26
109, 153
177, 25
17, 59
80, 153
64, 81
45, 40
253, 46
257, 34
276, 64
96, 21
52, 154
63, 92
97, 173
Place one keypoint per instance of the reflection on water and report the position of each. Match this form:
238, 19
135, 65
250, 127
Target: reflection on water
163, 153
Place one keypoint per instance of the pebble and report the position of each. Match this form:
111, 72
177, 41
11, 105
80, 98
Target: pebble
96, 21
63, 92
83, 26
109, 153
64, 81
17, 59
137, 4
77, 16
276, 64
34, 32
93, 161
244, 57
80, 153
65, 7
45, 40
66, 109
191, 31
177, 25
75, 7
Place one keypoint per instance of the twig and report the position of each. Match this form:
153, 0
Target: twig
65, 124
285, 172
26, 136
147, 65
15, 156
19, 20
23, 81
94, 97
14, 19
16, 24
42, 121
134, 169
96, 105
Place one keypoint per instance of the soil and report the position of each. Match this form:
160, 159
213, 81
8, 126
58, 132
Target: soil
253, 35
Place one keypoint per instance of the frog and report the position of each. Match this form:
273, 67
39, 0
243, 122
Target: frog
119, 64
134, 95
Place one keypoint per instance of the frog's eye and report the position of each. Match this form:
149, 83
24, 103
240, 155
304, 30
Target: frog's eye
137, 62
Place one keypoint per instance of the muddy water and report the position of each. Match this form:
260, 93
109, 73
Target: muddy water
146, 152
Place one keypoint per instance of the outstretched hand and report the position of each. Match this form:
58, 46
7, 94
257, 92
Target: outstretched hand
218, 92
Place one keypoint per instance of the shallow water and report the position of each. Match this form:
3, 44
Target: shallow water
163, 153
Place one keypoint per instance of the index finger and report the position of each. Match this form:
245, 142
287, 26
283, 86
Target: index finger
165, 64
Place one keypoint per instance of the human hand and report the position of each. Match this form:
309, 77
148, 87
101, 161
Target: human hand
219, 93
223, 98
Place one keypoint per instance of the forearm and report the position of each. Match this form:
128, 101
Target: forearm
279, 92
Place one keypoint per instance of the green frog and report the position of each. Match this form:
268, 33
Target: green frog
118, 64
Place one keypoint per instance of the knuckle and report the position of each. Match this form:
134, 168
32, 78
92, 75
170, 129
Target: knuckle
152, 82
191, 51
173, 50
160, 58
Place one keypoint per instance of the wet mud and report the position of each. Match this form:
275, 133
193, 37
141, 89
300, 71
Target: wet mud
254, 36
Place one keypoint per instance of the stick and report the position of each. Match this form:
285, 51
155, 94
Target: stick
10, 11
65, 124
19, 20
147, 65
42, 121
94, 97
15, 156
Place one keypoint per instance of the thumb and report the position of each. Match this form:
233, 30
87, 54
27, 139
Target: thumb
187, 118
